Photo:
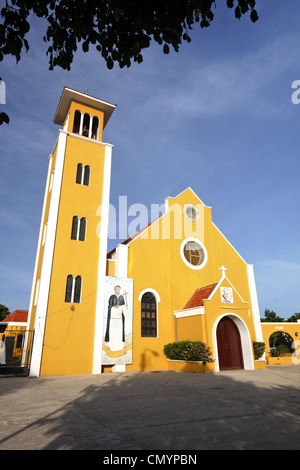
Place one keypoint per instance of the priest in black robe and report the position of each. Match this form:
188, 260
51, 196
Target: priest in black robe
115, 300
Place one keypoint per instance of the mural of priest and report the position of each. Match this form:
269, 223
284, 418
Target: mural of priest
115, 328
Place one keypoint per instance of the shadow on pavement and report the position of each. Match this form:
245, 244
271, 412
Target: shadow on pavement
153, 410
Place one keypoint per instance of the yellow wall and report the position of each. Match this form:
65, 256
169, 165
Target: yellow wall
69, 331
293, 329
110, 268
191, 328
157, 264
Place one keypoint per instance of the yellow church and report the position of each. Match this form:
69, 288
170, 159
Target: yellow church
177, 279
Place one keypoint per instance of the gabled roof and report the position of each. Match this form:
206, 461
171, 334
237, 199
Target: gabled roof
70, 94
199, 295
136, 235
19, 316
130, 239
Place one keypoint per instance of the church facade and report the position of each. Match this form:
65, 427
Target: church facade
177, 279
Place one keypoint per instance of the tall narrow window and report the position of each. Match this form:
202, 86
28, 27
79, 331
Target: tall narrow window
78, 228
73, 289
86, 177
76, 123
74, 231
95, 126
148, 315
82, 229
79, 173
83, 174
86, 125
69, 288
77, 290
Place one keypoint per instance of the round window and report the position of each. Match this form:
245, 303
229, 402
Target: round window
191, 212
193, 253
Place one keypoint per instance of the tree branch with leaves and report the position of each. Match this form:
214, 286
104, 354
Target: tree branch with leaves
119, 29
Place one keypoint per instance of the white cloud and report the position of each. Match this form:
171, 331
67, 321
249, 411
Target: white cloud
234, 84
281, 265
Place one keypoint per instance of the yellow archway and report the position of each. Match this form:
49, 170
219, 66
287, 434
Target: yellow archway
293, 329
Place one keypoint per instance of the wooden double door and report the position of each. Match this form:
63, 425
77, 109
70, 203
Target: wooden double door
229, 345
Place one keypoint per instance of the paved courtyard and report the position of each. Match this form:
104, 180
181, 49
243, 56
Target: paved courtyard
153, 411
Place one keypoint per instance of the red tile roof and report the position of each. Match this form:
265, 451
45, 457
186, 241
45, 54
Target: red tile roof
16, 316
199, 295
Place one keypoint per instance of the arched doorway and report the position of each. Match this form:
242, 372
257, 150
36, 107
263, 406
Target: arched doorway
281, 344
229, 345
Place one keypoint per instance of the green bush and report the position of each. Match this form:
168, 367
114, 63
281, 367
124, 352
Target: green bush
280, 350
188, 351
259, 349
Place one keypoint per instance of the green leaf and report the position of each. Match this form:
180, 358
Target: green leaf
4, 118
204, 23
238, 13
85, 46
109, 63
254, 16
166, 49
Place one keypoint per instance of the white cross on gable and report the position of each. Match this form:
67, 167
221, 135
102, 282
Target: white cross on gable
223, 269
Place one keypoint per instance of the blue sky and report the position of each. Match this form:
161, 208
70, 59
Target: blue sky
217, 117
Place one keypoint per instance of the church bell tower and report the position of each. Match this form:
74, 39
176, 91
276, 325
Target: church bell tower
66, 305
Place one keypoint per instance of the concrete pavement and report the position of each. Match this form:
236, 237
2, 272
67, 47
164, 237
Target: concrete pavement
153, 410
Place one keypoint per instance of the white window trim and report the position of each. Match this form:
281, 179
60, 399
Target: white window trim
78, 228
191, 239
186, 206
73, 290
157, 298
83, 174
153, 291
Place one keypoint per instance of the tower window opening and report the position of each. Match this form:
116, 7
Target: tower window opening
82, 229
73, 289
77, 289
83, 174
95, 126
86, 176
78, 228
76, 123
86, 125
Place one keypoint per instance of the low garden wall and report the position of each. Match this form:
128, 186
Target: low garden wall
190, 366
